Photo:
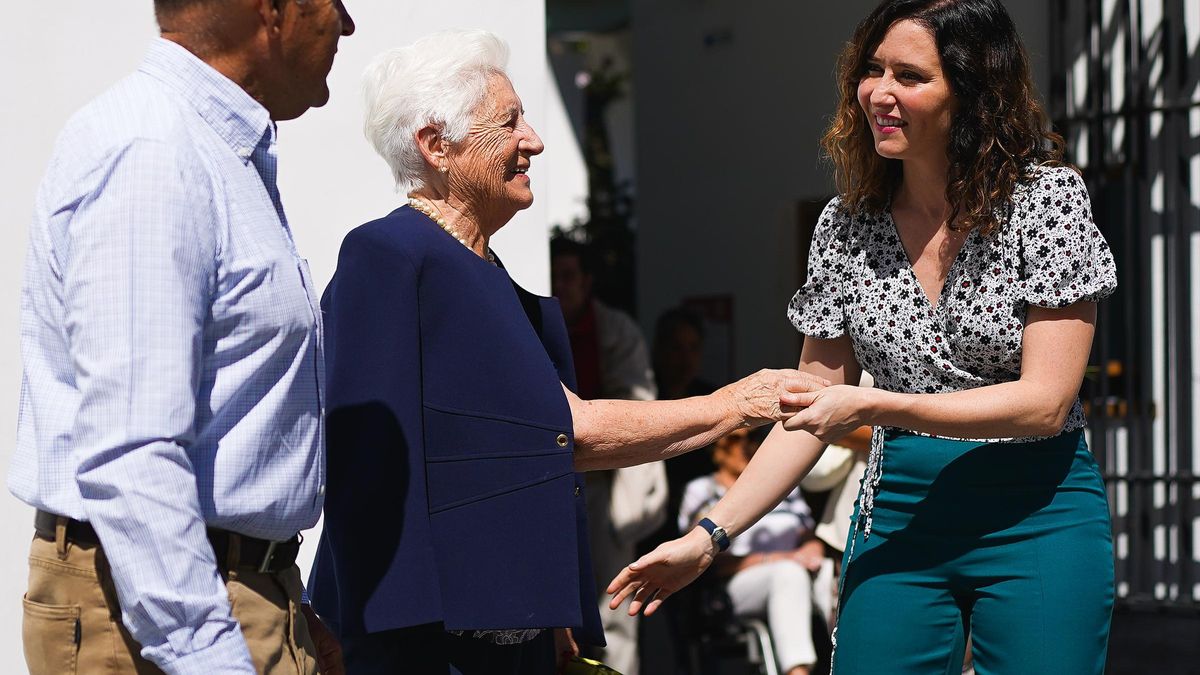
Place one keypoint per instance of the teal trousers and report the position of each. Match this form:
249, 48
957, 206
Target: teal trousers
1009, 542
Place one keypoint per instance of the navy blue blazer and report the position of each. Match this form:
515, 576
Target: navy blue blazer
451, 492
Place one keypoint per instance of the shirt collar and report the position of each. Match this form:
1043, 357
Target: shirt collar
238, 119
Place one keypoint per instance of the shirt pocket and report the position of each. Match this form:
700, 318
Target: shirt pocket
50, 634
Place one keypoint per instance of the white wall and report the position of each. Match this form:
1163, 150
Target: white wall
55, 56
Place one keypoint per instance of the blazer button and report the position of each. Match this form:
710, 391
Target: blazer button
576, 490
562, 440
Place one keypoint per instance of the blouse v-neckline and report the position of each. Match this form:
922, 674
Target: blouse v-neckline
911, 269
1048, 253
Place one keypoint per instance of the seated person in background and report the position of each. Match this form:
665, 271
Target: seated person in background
770, 566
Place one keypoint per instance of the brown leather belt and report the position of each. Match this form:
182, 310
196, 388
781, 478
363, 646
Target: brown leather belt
262, 554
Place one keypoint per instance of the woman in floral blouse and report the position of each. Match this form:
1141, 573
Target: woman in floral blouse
960, 266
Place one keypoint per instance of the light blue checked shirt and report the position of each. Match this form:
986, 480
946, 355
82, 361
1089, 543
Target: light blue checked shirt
171, 341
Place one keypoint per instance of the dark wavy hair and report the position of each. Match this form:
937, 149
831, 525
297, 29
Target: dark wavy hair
999, 133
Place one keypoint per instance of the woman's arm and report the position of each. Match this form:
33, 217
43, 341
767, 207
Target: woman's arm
1054, 353
611, 434
773, 472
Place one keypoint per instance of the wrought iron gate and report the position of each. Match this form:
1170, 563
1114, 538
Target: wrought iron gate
1126, 96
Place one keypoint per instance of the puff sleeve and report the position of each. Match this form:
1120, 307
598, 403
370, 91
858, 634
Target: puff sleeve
816, 309
1064, 258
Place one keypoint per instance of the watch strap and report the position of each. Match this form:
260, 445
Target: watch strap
719, 537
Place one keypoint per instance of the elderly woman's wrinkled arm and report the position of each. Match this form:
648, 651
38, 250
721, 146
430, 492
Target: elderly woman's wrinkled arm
611, 434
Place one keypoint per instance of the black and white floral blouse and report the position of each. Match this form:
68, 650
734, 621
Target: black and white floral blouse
1047, 252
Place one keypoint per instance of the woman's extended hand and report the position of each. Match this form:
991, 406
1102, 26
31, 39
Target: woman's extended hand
758, 397
662, 572
830, 413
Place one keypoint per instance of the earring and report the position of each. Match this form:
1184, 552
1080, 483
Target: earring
444, 169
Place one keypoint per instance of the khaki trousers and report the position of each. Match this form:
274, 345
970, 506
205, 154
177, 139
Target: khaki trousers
72, 621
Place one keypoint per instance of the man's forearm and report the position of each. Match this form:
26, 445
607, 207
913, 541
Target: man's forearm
144, 507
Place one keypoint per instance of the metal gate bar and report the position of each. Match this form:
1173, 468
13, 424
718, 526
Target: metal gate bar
1153, 245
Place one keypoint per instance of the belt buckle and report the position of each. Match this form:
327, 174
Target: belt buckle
268, 558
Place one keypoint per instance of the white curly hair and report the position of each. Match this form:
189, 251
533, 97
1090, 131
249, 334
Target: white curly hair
440, 79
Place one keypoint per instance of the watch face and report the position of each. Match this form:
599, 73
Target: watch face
718, 532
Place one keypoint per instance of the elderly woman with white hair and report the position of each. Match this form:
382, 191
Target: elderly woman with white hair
454, 537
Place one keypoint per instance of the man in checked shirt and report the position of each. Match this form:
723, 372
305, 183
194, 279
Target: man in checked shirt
170, 432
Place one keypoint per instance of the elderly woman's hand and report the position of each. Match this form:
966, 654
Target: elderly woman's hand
757, 397
565, 648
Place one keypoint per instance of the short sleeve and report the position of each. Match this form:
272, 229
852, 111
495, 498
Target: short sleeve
816, 309
1064, 258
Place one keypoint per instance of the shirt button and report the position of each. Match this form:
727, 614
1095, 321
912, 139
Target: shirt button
321, 490
562, 440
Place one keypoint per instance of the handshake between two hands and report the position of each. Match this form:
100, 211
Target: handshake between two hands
805, 402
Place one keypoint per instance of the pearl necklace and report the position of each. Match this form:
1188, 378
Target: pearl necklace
433, 214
